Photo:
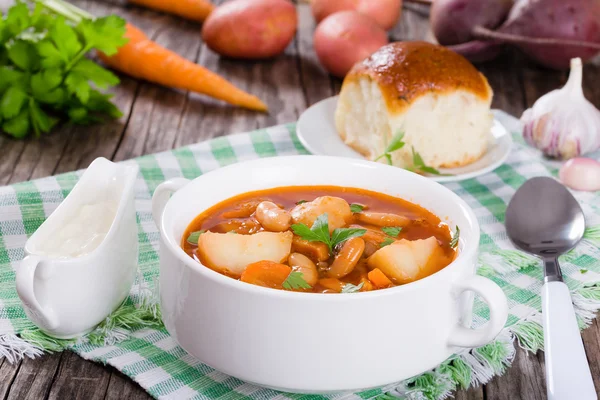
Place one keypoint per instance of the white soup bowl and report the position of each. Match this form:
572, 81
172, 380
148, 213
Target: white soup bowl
309, 342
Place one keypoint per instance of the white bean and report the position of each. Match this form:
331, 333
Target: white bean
347, 258
304, 265
382, 219
273, 218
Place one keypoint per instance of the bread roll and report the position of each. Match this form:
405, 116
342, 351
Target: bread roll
435, 96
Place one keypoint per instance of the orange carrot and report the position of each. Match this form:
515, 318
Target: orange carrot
266, 273
145, 59
366, 285
378, 279
331, 284
195, 10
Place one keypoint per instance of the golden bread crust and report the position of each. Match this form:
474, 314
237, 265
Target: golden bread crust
405, 71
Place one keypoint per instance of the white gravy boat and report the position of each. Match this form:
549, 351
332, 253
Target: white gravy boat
81, 262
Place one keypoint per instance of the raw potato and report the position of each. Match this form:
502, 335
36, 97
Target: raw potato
231, 254
385, 12
251, 29
404, 260
345, 38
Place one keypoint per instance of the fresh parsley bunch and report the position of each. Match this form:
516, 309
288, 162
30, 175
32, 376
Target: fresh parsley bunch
45, 76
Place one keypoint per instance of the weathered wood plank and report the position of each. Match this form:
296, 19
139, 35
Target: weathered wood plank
538, 81
120, 387
413, 24
523, 381
315, 81
156, 114
10, 152
102, 140
274, 81
591, 341
8, 372
79, 379
34, 378
68, 147
473, 393
506, 84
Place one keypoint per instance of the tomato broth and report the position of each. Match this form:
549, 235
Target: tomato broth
323, 239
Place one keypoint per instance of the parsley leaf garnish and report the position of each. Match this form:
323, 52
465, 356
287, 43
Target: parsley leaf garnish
340, 235
319, 232
356, 208
350, 288
395, 144
419, 165
295, 280
386, 242
454, 241
194, 236
583, 270
301, 202
393, 231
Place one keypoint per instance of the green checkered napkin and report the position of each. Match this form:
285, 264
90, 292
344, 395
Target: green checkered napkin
134, 341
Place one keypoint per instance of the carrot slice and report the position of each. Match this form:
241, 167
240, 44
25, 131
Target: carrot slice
378, 279
266, 273
367, 285
332, 284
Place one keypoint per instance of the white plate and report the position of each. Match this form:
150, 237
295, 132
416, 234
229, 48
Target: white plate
316, 130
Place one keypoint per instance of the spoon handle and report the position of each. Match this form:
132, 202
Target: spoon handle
567, 370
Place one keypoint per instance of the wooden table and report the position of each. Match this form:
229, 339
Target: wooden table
157, 119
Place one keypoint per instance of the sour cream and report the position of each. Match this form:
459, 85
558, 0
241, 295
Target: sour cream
82, 233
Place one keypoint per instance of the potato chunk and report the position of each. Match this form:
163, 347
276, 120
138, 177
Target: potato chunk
231, 254
337, 209
404, 261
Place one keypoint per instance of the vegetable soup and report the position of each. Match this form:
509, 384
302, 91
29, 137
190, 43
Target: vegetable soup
323, 239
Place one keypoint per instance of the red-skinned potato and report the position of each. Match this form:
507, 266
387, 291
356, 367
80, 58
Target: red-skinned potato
345, 38
385, 12
251, 29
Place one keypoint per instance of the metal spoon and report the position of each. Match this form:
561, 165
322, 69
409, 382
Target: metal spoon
544, 219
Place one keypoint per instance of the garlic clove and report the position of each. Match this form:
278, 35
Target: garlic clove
562, 123
581, 174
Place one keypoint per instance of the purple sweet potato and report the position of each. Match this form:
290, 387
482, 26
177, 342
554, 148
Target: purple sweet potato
550, 32
564, 20
452, 21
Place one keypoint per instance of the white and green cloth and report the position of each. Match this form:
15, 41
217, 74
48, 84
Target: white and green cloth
134, 341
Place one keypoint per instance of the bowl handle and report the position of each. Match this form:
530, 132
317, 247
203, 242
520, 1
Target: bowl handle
496, 300
24, 283
162, 194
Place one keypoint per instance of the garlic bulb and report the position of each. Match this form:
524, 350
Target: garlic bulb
581, 174
562, 123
